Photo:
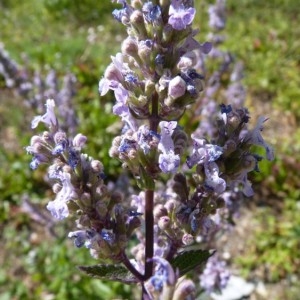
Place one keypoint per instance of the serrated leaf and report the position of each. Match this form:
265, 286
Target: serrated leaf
109, 272
188, 260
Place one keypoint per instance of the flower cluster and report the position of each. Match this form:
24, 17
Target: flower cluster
34, 89
187, 183
104, 226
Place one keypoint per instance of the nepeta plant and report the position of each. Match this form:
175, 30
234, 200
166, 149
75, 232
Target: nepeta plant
187, 184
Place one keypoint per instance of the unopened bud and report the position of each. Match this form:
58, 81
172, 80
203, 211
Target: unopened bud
170, 206
47, 136
187, 239
96, 166
164, 223
60, 137
113, 73
137, 22
79, 140
130, 47
177, 87
187, 61
159, 211
36, 140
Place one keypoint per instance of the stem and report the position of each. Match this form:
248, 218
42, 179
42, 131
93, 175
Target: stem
149, 221
131, 268
154, 119
149, 198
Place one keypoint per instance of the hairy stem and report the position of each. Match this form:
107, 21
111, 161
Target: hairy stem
149, 198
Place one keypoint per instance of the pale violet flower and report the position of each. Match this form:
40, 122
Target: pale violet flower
215, 275
203, 152
48, 118
145, 137
213, 180
166, 143
168, 160
163, 275
180, 16
256, 138
58, 207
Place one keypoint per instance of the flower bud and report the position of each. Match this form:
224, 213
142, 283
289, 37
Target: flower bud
47, 136
36, 140
229, 147
130, 47
187, 61
101, 209
96, 166
86, 200
159, 211
79, 140
187, 239
145, 50
177, 87
113, 73
170, 206
164, 223
233, 120
60, 137
137, 22
249, 163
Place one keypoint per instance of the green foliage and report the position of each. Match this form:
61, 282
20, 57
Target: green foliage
269, 52
189, 260
274, 247
109, 272
87, 11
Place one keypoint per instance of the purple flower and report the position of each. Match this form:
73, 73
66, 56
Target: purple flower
256, 138
215, 275
79, 237
48, 118
152, 13
180, 16
58, 207
166, 143
168, 160
138, 201
145, 137
163, 274
213, 180
37, 160
122, 15
216, 13
203, 152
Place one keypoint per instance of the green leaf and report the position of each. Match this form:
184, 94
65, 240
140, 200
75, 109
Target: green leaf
188, 260
109, 272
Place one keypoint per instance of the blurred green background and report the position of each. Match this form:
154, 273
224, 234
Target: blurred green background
79, 37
